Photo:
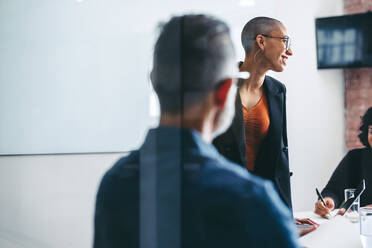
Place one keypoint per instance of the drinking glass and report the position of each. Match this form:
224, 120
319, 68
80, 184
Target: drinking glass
365, 220
353, 213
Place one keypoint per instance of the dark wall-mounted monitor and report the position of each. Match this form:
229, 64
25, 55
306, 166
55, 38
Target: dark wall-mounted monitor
344, 41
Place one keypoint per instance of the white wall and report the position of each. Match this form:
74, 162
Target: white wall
74, 56
48, 201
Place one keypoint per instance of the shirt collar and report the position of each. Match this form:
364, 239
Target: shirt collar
171, 137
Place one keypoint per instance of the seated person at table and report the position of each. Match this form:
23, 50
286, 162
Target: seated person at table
355, 166
220, 204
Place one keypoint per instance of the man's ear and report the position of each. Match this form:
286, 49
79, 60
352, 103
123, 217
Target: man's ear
222, 92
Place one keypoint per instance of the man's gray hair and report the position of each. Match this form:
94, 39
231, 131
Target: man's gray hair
256, 26
192, 55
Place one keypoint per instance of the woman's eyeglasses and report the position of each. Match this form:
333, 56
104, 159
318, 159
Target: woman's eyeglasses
286, 39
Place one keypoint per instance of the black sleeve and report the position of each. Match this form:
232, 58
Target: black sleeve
227, 146
285, 137
345, 176
222, 142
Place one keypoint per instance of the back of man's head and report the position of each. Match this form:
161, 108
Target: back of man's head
192, 55
256, 26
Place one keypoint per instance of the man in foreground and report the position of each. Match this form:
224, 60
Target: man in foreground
177, 190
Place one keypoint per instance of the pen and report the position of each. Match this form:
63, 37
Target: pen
342, 205
320, 196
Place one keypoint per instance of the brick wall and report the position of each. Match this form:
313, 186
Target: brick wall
358, 85
357, 6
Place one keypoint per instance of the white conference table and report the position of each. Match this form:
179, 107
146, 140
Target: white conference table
338, 232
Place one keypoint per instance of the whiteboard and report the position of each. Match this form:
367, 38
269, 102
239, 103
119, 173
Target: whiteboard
74, 75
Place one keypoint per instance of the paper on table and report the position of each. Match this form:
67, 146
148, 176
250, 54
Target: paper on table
337, 232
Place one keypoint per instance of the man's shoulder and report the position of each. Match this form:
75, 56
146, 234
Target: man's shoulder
243, 189
125, 167
232, 178
217, 173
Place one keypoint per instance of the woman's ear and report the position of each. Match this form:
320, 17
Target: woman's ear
260, 41
221, 92
151, 76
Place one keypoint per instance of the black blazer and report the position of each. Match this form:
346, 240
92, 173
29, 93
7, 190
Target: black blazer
272, 158
355, 166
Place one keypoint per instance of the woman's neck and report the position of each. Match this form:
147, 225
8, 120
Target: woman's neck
252, 65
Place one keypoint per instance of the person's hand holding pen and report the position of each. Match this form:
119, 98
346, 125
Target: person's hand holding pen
324, 205
324, 209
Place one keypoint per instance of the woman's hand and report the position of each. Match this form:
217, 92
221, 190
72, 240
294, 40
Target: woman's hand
322, 210
342, 210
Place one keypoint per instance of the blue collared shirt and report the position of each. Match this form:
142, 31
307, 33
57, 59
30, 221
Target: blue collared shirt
222, 205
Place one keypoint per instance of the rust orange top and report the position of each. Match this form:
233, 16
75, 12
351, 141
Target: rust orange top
256, 126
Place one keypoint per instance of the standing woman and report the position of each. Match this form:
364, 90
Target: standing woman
257, 138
